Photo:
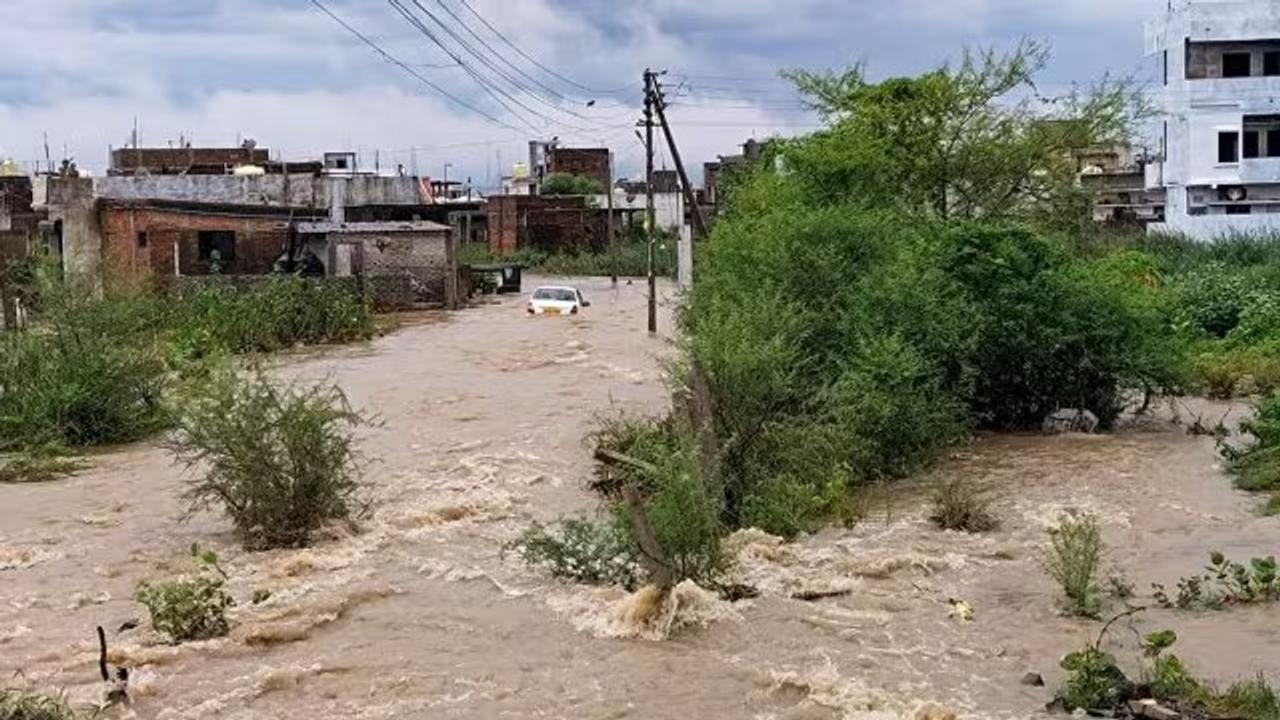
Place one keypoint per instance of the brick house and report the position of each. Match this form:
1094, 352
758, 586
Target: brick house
158, 238
590, 163
545, 223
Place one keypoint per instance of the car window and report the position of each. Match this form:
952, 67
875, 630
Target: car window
555, 294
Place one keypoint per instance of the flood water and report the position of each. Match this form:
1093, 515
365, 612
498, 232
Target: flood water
421, 614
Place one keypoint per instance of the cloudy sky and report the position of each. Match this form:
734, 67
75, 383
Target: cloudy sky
286, 74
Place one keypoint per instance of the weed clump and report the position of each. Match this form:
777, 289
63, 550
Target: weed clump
279, 460
962, 506
1073, 560
583, 551
186, 609
1256, 465
1096, 685
23, 703
1225, 582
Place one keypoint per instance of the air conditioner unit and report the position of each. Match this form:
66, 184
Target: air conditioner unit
1233, 193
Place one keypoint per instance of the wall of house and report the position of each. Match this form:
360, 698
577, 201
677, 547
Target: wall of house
172, 245
282, 190
588, 162
668, 207
1199, 103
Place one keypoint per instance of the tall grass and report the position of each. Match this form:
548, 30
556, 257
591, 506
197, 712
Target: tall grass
626, 259
94, 370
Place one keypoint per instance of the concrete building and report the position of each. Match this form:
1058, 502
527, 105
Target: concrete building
408, 262
1220, 131
1115, 176
668, 199
80, 209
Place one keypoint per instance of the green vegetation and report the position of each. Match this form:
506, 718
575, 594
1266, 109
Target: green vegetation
96, 370
960, 505
1074, 560
1096, 684
1256, 465
583, 551
190, 608
279, 460
23, 703
277, 314
627, 258
1224, 583
569, 184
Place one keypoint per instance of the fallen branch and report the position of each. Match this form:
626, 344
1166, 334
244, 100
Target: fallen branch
815, 595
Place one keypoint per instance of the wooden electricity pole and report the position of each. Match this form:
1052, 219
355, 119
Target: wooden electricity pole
650, 91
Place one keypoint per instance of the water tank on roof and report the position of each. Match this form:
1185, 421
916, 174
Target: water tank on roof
248, 170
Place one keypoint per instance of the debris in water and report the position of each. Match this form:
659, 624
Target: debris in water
960, 610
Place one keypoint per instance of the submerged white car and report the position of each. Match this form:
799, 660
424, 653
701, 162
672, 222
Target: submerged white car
557, 301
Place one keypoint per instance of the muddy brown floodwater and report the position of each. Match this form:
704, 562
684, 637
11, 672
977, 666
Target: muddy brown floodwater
421, 615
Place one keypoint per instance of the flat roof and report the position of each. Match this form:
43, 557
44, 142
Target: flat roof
408, 226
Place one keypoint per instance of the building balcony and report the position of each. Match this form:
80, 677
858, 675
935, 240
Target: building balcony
1260, 171
1251, 94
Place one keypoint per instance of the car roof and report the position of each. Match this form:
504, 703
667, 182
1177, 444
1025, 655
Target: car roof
556, 287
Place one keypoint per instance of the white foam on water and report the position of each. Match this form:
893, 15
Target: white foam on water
647, 614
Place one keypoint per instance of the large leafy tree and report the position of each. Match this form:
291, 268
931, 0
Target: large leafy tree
976, 139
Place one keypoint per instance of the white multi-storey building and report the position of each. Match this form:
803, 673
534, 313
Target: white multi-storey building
1220, 126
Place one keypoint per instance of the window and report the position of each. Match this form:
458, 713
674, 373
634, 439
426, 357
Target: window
1229, 147
142, 239
1239, 209
1237, 64
221, 241
1252, 142
1273, 143
1271, 63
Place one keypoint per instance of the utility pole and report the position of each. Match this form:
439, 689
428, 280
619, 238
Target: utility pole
611, 241
660, 105
650, 91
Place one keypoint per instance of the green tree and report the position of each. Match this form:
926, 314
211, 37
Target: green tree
568, 184
970, 140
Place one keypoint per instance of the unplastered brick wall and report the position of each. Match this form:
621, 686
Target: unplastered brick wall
143, 241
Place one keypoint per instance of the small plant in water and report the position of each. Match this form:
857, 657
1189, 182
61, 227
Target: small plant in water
189, 608
1073, 560
963, 506
23, 703
1225, 582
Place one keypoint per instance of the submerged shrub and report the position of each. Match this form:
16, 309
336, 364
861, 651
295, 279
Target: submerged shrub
963, 506
1256, 465
1074, 559
186, 609
279, 460
583, 551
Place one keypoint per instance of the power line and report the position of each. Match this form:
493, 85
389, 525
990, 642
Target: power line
487, 46
485, 81
392, 59
535, 62
495, 92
